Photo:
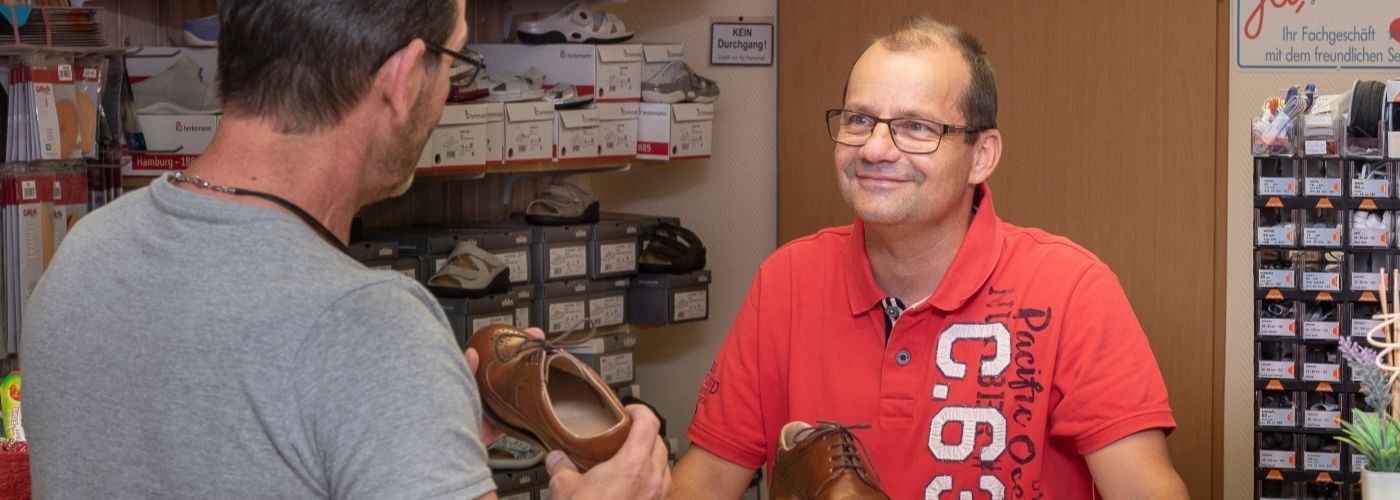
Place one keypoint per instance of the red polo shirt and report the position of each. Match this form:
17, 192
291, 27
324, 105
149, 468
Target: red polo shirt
1025, 358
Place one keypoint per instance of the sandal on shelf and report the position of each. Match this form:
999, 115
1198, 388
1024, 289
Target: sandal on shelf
562, 203
514, 453
508, 87
672, 250
470, 272
675, 82
566, 96
577, 22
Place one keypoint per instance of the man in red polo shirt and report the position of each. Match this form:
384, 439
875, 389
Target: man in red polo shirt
992, 361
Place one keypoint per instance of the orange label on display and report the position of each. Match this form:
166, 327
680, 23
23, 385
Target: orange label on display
1367, 297
1274, 385
1274, 202
1274, 294
1368, 204
1324, 296
1324, 203
1324, 387
1274, 474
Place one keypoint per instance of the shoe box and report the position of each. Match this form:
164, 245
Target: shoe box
613, 247
522, 484
611, 73
561, 306
467, 315
529, 132
384, 256
173, 142
559, 252
509, 242
662, 299
428, 248
617, 130
646, 224
577, 135
675, 131
468, 137
610, 355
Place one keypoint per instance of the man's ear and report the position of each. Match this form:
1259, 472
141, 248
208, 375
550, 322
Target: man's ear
986, 153
400, 80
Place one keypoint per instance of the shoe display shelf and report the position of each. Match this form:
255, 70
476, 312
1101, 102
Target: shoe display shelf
1324, 227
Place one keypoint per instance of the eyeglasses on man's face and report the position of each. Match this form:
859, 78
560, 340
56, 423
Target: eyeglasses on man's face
911, 135
465, 65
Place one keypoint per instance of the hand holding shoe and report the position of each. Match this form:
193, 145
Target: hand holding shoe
638, 470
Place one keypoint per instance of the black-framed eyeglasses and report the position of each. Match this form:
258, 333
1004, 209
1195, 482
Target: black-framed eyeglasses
465, 65
911, 135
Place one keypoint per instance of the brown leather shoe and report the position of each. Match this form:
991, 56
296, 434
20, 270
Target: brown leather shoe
827, 462
532, 386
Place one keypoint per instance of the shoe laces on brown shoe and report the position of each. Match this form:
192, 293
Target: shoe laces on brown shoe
826, 461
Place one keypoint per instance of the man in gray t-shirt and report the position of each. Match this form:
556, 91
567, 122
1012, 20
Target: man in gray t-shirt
207, 336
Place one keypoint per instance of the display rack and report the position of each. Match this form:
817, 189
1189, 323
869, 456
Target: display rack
1324, 228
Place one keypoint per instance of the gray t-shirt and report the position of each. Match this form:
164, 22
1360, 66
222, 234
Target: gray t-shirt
182, 346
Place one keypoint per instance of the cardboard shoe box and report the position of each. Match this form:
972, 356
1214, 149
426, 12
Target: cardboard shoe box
660, 299
509, 242
428, 248
173, 142
560, 306
617, 130
529, 132
675, 131
577, 135
374, 252
610, 356
467, 138
516, 484
511, 308
559, 252
612, 248
607, 302
611, 73
456, 310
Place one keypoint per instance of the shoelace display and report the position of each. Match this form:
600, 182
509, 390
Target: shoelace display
530, 346
849, 452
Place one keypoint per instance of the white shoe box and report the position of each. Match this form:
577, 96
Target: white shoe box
529, 132
611, 73
576, 133
173, 142
617, 130
468, 137
662, 53
151, 61
675, 131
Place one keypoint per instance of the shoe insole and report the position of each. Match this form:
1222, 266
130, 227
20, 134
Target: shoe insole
578, 405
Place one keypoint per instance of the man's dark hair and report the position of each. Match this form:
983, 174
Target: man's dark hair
979, 101
303, 64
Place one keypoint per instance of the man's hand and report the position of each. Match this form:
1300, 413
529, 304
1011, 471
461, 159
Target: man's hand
638, 470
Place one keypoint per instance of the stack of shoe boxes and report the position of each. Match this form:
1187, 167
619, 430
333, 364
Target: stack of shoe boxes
1324, 231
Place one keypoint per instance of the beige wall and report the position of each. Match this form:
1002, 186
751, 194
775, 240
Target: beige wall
1248, 90
728, 200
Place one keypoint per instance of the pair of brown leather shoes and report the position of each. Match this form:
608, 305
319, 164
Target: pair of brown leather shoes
826, 462
531, 386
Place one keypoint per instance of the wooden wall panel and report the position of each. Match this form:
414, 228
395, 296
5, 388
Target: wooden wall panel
1109, 119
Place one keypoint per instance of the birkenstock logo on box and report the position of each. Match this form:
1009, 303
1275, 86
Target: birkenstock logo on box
385, 252
564, 54
582, 233
507, 303
522, 240
181, 127
580, 288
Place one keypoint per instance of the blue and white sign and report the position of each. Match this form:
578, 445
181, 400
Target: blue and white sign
744, 44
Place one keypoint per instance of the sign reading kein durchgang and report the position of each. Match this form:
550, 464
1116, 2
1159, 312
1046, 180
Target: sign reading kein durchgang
1317, 34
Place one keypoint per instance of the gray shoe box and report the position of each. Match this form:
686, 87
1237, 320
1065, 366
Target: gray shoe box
646, 224
516, 484
509, 242
373, 251
607, 302
613, 248
510, 308
663, 299
456, 310
609, 355
425, 245
559, 253
560, 306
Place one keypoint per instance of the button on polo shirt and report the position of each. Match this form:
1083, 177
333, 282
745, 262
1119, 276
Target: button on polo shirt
1026, 357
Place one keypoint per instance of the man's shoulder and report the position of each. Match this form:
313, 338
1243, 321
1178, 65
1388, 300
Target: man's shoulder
819, 244
1045, 248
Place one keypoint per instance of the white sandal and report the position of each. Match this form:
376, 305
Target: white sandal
577, 22
508, 87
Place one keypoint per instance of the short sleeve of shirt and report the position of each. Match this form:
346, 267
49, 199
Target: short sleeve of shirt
387, 402
728, 420
1105, 372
